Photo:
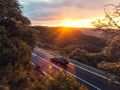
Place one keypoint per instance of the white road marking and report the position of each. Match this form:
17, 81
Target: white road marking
33, 64
43, 71
76, 65
47, 74
88, 71
34, 54
68, 72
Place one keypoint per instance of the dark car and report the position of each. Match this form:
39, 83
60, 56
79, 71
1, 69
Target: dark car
60, 59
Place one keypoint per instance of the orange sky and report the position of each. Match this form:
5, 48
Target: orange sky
70, 13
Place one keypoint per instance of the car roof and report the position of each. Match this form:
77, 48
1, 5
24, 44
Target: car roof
59, 57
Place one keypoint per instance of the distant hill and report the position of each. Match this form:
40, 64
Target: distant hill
86, 31
83, 38
92, 32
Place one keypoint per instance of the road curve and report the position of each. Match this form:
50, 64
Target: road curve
94, 82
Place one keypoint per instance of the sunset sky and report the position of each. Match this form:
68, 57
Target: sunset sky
74, 13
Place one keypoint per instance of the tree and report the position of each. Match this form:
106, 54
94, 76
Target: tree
84, 56
16, 44
111, 19
110, 25
112, 51
61, 81
16, 37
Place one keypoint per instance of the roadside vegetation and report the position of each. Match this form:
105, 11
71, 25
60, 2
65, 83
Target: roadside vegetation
108, 58
61, 81
102, 53
17, 41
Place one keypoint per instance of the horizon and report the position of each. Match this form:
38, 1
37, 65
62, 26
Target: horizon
63, 27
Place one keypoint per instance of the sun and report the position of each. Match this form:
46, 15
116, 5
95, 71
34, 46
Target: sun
77, 22
69, 23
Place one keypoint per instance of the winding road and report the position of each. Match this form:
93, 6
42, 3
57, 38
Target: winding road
41, 57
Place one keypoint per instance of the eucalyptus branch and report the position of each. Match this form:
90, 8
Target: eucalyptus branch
110, 18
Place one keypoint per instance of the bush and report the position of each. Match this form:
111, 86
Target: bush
61, 81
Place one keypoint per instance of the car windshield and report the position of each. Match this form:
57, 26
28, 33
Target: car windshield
61, 58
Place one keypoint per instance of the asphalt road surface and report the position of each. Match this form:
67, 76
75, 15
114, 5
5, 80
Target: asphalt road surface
41, 58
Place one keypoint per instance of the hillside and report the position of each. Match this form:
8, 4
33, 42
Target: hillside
51, 37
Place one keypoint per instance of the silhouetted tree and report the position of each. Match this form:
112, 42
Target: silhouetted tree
110, 25
16, 37
111, 19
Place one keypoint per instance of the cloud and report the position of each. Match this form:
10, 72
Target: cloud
46, 10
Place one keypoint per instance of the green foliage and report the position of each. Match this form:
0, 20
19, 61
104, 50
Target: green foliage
109, 53
112, 51
111, 56
85, 57
61, 81
110, 67
17, 39
110, 26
